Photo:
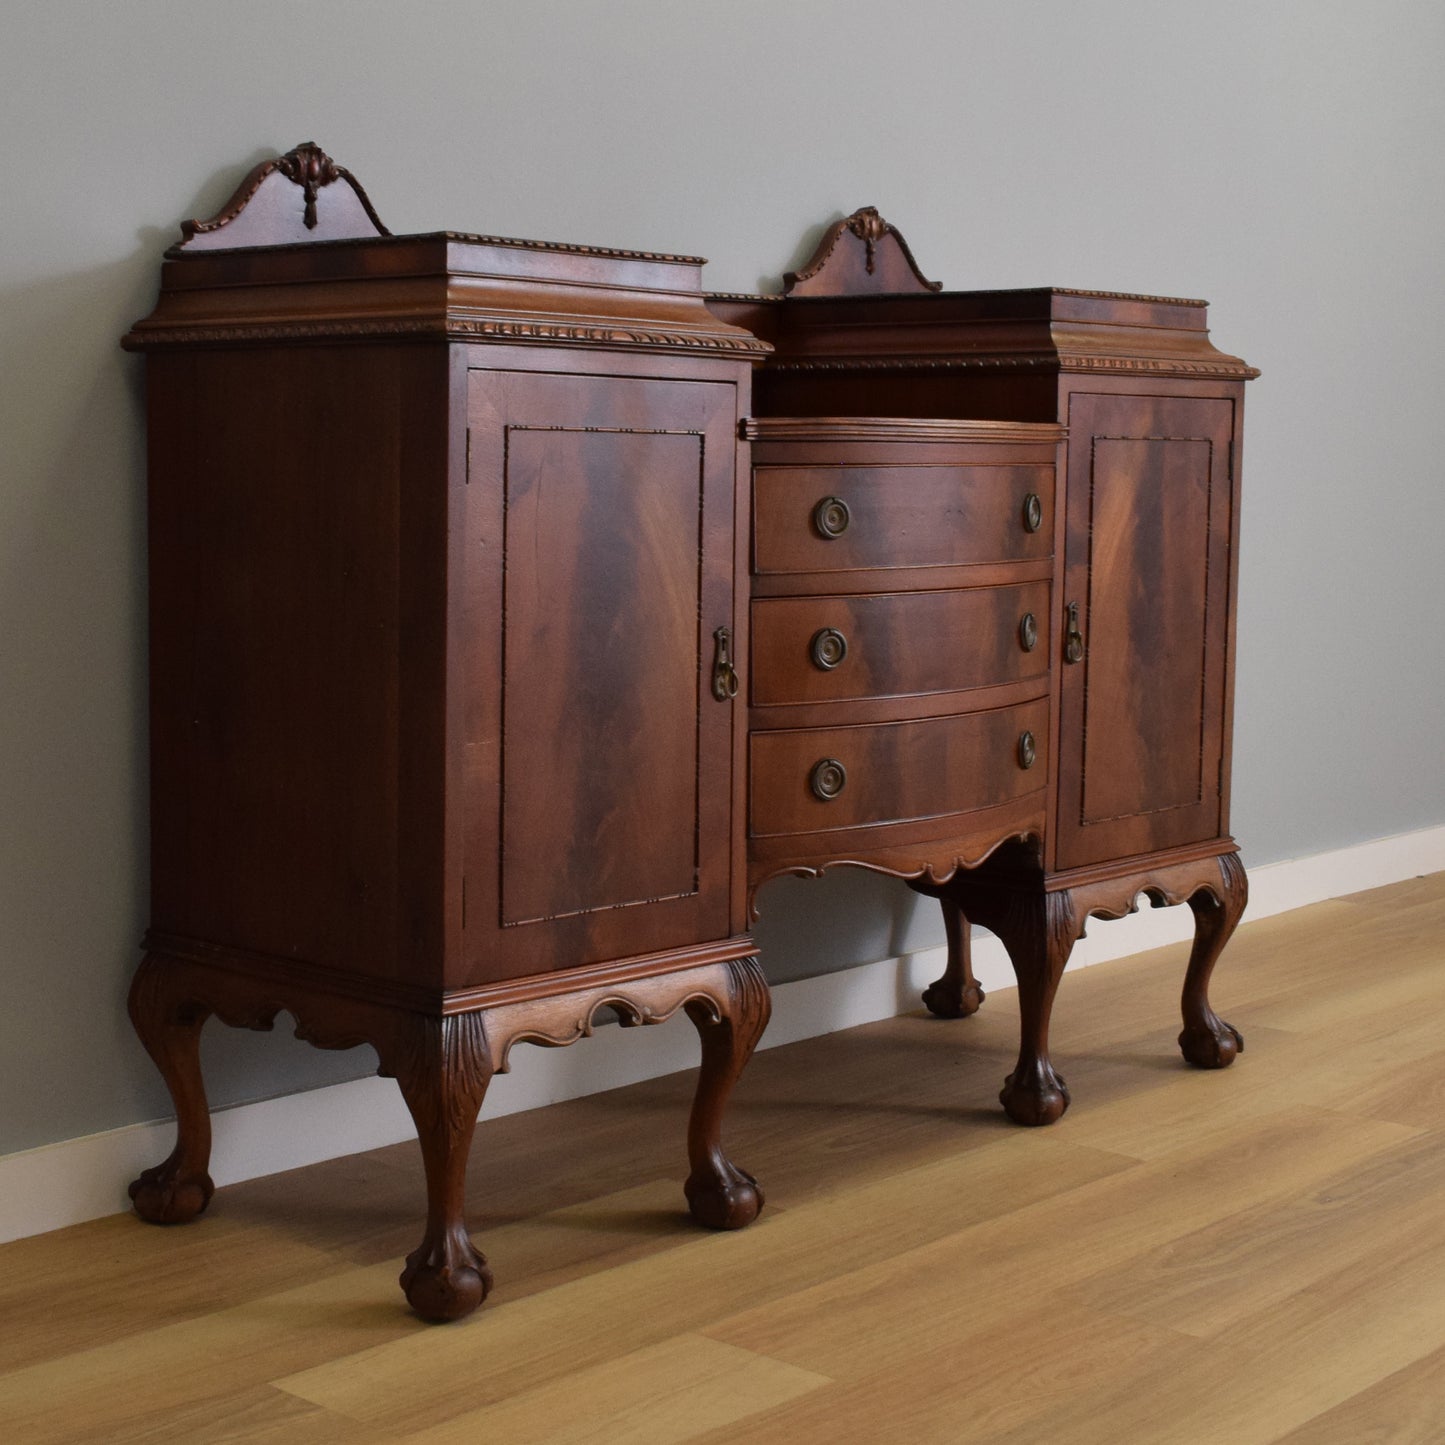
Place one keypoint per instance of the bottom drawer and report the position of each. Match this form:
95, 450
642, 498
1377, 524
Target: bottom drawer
817, 779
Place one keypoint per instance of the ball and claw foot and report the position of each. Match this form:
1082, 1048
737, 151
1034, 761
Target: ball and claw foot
729, 1198
1212, 1044
446, 1284
165, 1196
1034, 1096
944, 1000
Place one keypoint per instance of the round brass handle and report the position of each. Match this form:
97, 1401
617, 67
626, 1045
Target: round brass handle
827, 779
1028, 632
1033, 512
1027, 751
831, 517
828, 648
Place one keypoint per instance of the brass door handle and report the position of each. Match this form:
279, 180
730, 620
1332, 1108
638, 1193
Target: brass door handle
1073, 638
1028, 632
1033, 512
724, 677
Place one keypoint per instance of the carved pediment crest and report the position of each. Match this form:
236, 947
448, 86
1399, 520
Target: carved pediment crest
860, 254
263, 210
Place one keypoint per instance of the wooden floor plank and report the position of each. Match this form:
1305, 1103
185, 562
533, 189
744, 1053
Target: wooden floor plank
1216, 1278
1277, 1370
255, 1416
675, 1391
1000, 1267
171, 1274
982, 1377
1405, 1408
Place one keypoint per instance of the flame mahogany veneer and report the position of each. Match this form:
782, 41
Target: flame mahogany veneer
518, 610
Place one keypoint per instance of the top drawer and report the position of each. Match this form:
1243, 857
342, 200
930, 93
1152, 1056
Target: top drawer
849, 518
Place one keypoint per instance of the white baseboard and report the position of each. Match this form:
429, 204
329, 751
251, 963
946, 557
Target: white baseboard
79, 1179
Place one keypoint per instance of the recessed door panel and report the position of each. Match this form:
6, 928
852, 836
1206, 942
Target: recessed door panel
600, 600
600, 529
1147, 573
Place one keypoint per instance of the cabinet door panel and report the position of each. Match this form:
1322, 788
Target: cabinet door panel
1150, 505
601, 534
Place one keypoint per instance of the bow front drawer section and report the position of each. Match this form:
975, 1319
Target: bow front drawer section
823, 649
812, 780
851, 518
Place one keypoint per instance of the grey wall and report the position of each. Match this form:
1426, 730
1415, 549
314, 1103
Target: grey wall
1282, 159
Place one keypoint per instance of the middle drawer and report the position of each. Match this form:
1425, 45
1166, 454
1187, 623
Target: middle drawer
901, 644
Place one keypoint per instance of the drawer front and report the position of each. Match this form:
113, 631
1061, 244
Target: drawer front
900, 644
817, 779
838, 519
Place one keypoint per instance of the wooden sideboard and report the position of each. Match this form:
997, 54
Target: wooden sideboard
518, 610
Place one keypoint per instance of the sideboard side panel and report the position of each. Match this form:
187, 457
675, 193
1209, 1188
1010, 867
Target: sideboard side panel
297, 523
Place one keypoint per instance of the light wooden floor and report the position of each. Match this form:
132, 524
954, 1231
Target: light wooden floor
1248, 1256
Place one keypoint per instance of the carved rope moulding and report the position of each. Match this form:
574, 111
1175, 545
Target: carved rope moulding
1124, 366
462, 329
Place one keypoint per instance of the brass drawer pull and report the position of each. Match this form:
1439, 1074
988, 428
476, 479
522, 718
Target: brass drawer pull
828, 648
831, 517
1028, 632
1033, 512
827, 779
1027, 751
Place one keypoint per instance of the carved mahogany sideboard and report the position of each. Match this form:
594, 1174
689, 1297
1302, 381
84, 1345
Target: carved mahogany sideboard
517, 610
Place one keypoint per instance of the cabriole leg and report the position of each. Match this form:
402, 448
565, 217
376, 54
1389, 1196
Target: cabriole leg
443, 1067
721, 1195
1038, 930
1039, 943
1207, 1041
169, 1025
956, 994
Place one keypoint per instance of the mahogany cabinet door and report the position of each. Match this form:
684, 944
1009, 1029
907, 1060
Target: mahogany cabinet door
599, 559
1150, 499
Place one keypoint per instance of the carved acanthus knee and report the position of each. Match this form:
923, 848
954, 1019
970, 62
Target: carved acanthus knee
443, 1066
1039, 938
